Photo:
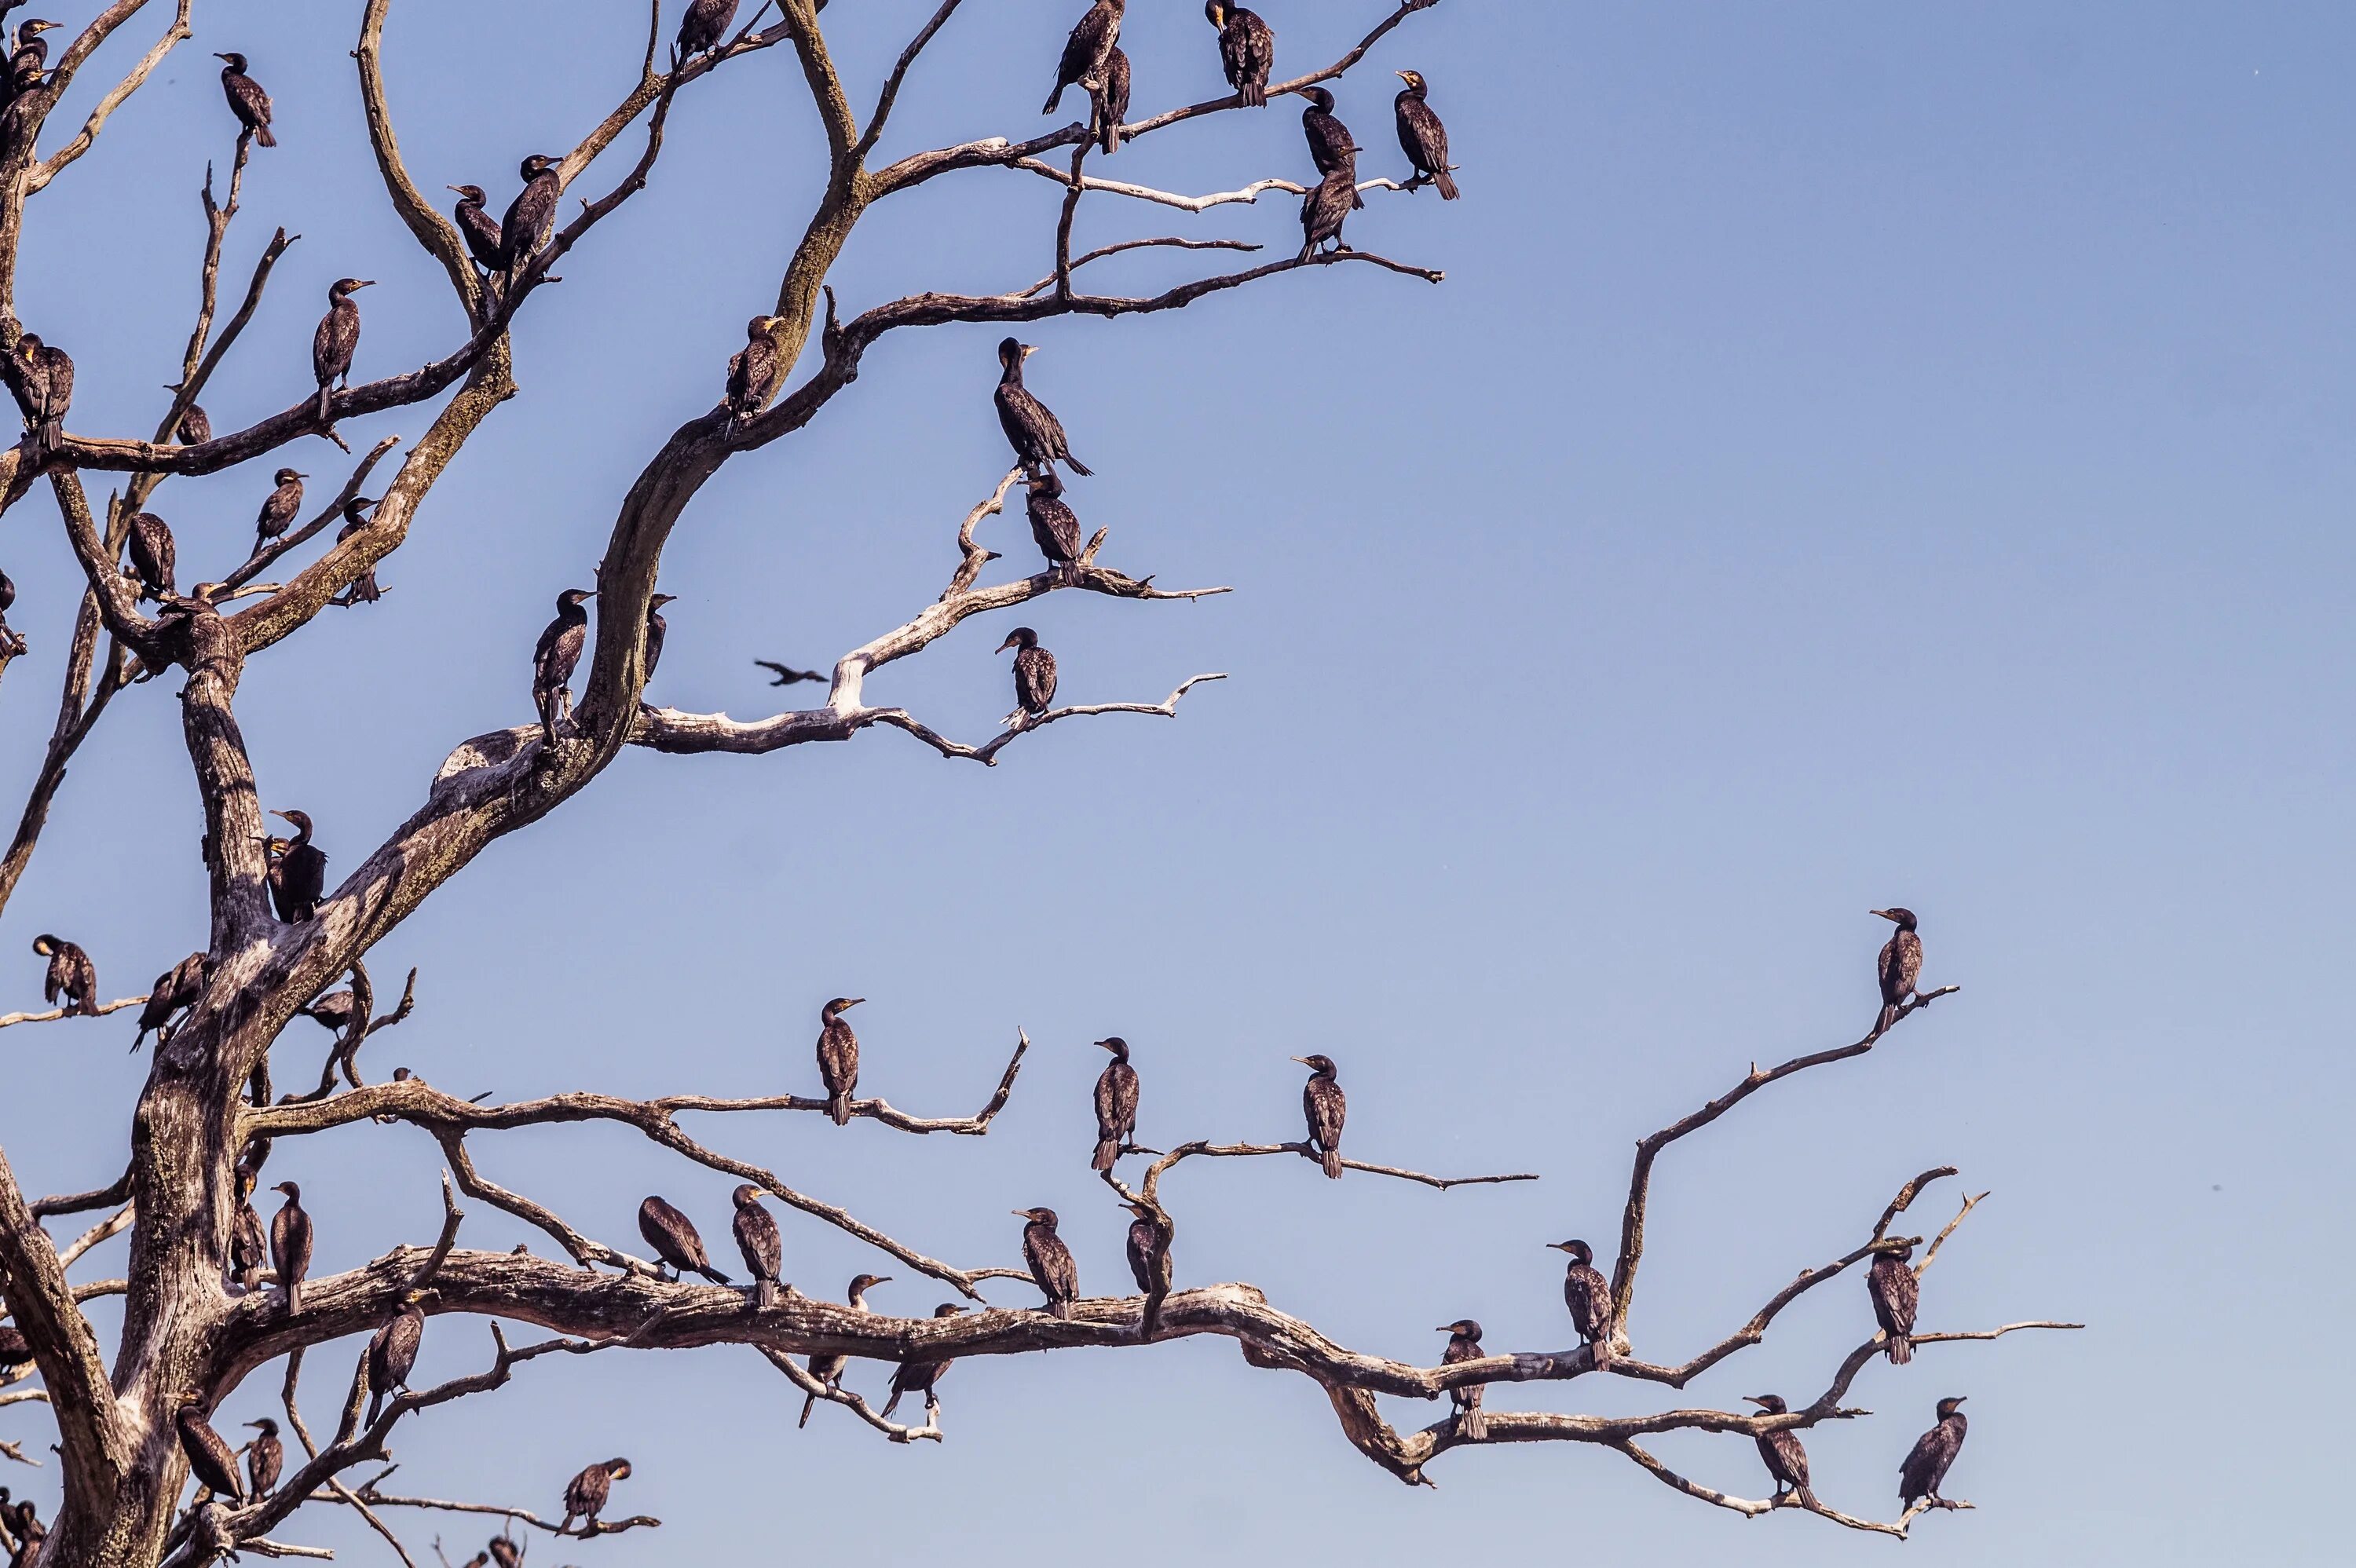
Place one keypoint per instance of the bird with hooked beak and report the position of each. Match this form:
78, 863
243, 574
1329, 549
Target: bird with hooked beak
838, 1057
1325, 1106
1900, 966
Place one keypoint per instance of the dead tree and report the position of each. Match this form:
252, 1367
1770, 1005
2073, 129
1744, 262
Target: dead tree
193, 1330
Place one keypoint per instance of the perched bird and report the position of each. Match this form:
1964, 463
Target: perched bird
176, 990
72, 978
210, 1459
1109, 103
554, 657
829, 1368
278, 512
672, 1236
1246, 50
838, 1057
15, 1350
290, 1244
1324, 210
300, 874
525, 228
337, 338
763, 1249
196, 426
1896, 1294
922, 1377
265, 1458
154, 556
1116, 1104
657, 630
1034, 675
1036, 435
248, 1243
505, 1552
701, 25
392, 1352
1464, 1345
587, 1495
25, 1523
1787, 1462
1422, 137
1899, 967
478, 226
1150, 1234
1324, 1104
48, 374
1055, 527
1093, 38
1331, 146
1926, 1463
246, 99
1050, 1265
364, 589
1589, 1296
31, 48
335, 1011
752, 373
9, 642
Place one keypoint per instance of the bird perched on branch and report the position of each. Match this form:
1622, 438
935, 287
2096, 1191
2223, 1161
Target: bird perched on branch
15, 1350
757, 1241
47, 373
1246, 50
505, 1552
827, 1368
477, 225
1464, 1345
531, 215
154, 556
246, 99
1422, 137
71, 979
176, 990
1588, 1295
265, 1458
752, 372
701, 25
1050, 1261
248, 1243
1899, 967
1036, 435
210, 1458
392, 1352
1109, 103
290, 1245
1116, 1104
922, 1377
1787, 1462
838, 1057
1092, 40
336, 340
31, 48
1034, 675
1324, 210
278, 510
1896, 1294
554, 657
1055, 527
10, 643
1150, 1234
1331, 146
587, 1494
196, 426
1926, 1463
364, 589
657, 630
673, 1237
1325, 1106
299, 876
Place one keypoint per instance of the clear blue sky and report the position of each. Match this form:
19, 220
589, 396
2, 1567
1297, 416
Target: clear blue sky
1861, 454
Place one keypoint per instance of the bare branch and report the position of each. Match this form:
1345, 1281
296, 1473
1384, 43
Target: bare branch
54, 163
53, 1015
1152, 1187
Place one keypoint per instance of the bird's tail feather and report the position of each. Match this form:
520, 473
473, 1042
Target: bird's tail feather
1601, 1350
1059, 1309
1902, 1349
893, 1404
1078, 467
1054, 99
765, 1294
1888, 1016
293, 1297
714, 1274
1332, 1161
1107, 1151
1150, 1327
326, 411
838, 1107
1472, 1426
1447, 183
376, 1407
807, 1405
262, 134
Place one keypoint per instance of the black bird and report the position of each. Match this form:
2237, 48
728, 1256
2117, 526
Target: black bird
530, 216
1034, 675
1036, 435
365, 589
827, 1368
1109, 103
392, 1352
265, 1458
246, 99
210, 1459
1246, 50
1589, 1296
1464, 1345
1116, 1104
300, 875
673, 1237
702, 25
1422, 137
176, 989
554, 657
1053, 525
1331, 146
7, 602
337, 338
838, 1057
196, 426
1323, 1102
153, 556
752, 372
48, 374
786, 675
248, 1243
1926, 1465
1093, 40
1324, 210
26, 1524
1787, 1462
1150, 1234
1899, 967
757, 1241
15, 1350
1050, 1265
587, 1495
278, 512
657, 630
505, 1552
478, 226
71, 976
1896, 1294
290, 1245
922, 1377
31, 48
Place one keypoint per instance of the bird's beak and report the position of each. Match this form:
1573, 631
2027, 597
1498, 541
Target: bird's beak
1882, 912
221, 57
365, 284
1754, 1399
1028, 349
1104, 1045
1558, 1246
885, 1280
1303, 1060
1401, 74
855, 1001
282, 817
1962, 1398
454, 187
1004, 645
1021, 1213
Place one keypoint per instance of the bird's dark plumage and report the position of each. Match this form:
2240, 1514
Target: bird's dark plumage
1331, 146
505, 1552
763, 1249
673, 1237
1055, 527
364, 589
1050, 1261
1034, 432
196, 426
1034, 675
752, 373
1246, 50
71, 979
1464, 1345
300, 875
478, 226
1787, 1461
530, 216
1588, 1295
249, 1242
31, 48
1150, 1234
290, 1244
154, 556
11, 644
922, 1377
704, 25
1926, 1466
838, 1058
278, 511
1896, 1294
336, 340
554, 657
392, 1352
827, 1368
1092, 39
176, 990
210, 1459
246, 99
47, 372
657, 630
1422, 137
1109, 103
265, 1458
587, 1494
1899, 967
1325, 1106
1116, 1104
1323, 212
15, 1350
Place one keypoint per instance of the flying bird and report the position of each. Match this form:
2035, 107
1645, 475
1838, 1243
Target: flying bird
786, 675
1422, 137
1325, 1106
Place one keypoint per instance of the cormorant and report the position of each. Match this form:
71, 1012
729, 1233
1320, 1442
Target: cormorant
752, 372
555, 654
1422, 137
8, 643
1093, 40
1323, 1102
196, 426
153, 556
176, 989
364, 589
210, 1459
1246, 50
248, 1243
505, 1552
525, 228
1324, 210
26, 1524
333, 1012
657, 630
1787, 1462
246, 99
827, 1368
1053, 525
278, 512
587, 1495
47, 373
672, 1236
763, 1250
478, 226
337, 338
71, 976
1116, 1104
838, 1057
393, 1351
1150, 1234
1109, 103
788, 675
1900, 965
1464, 1345
1926, 1465
922, 1377
15, 1350
700, 28
1035, 674
30, 46
1050, 1265
265, 1458
300, 874
290, 1245
1036, 435
1589, 1296
1331, 146
1896, 1293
